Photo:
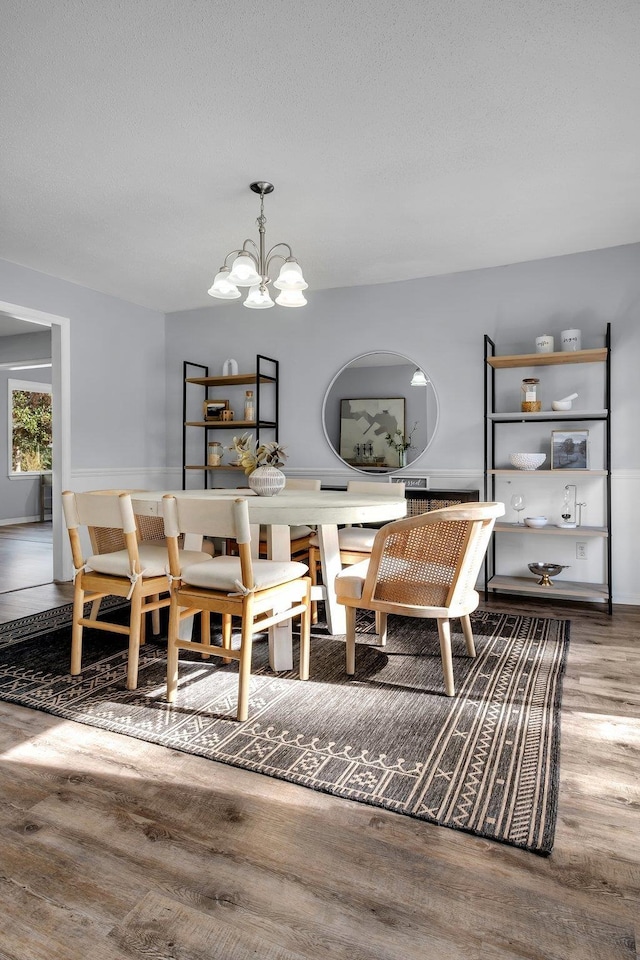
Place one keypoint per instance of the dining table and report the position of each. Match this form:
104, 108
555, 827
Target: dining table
325, 510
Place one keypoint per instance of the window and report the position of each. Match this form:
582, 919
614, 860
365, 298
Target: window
29, 427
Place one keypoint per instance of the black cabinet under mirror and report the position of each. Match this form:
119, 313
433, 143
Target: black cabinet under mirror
380, 412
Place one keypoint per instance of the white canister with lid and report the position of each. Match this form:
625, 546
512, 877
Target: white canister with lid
544, 344
571, 340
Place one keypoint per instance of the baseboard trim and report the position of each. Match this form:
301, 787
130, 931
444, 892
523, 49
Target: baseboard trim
9, 523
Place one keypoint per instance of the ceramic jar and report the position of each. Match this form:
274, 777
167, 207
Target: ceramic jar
571, 340
267, 481
544, 344
214, 456
530, 402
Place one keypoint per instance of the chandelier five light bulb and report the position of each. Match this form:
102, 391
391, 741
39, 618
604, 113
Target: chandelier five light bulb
251, 265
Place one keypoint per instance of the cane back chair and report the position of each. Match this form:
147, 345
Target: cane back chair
424, 566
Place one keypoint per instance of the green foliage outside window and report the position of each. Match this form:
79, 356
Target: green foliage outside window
31, 418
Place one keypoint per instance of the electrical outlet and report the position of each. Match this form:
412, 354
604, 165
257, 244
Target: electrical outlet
581, 551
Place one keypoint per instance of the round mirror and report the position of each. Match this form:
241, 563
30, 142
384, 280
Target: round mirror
380, 412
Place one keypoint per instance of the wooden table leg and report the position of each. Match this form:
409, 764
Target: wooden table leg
280, 636
331, 567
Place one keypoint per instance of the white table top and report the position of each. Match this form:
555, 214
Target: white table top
293, 507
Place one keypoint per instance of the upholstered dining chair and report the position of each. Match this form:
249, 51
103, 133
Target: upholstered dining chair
261, 593
424, 566
355, 543
120, 565
150, 529
107, 540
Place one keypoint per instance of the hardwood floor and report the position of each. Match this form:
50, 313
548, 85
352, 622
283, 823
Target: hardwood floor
26, 571
26, 555
111, 847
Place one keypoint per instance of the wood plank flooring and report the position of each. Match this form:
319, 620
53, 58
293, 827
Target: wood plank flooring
26, 555
26, 571
111, 847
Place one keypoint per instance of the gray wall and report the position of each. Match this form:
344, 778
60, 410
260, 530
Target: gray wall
117, 371
439, 322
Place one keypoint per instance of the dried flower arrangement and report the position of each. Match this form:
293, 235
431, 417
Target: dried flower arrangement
251, 456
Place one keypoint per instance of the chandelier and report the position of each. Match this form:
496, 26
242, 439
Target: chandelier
251, 265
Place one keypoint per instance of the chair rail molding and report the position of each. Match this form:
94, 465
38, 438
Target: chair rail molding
465, 478
150, 478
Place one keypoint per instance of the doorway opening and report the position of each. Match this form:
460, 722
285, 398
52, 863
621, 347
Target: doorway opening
31, 319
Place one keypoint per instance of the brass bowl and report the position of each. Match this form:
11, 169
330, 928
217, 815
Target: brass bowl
546, 571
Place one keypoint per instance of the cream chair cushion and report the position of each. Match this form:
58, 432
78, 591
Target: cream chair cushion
350, 581
295, 532
222, 573
358, 539
154, 560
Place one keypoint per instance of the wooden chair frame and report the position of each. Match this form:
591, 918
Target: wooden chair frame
112, 526
258, 609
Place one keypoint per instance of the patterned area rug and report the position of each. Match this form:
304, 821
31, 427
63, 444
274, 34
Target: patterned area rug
485, 761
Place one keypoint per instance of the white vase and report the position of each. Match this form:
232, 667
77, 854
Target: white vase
267, 481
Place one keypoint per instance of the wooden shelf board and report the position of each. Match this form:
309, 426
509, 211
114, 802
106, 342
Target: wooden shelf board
599, 355
576, 532
224, 466
560, 588
516, 417
229, 424
236, 379
547, 473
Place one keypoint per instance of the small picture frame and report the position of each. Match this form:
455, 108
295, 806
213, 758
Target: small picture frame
569, 449
213, 409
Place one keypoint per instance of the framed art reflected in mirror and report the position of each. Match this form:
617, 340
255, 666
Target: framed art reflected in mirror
366, 424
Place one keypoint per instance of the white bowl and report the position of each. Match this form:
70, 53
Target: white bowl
561, 404
535, 521
527, 461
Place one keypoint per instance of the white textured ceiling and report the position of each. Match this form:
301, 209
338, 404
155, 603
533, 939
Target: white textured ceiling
405, 139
